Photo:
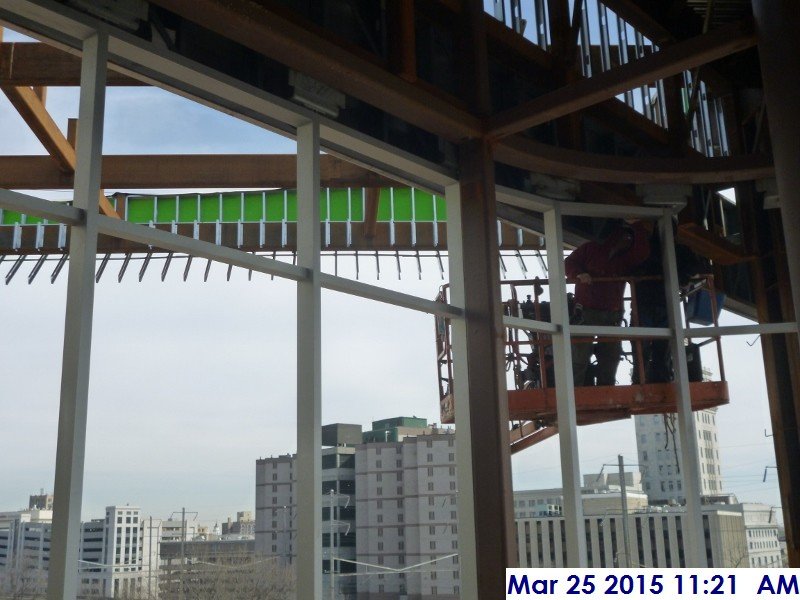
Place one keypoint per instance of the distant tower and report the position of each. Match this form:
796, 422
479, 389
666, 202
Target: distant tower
41, 501
659, 452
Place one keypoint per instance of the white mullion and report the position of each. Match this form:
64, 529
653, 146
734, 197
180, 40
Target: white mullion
690, 467
565, 392
71, 443
309, 367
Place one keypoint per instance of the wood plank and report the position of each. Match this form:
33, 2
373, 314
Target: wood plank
587, 92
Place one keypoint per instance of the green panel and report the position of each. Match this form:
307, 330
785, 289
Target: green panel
252, 206
140, 209
441, 208
209, 208
231, 207
30, 220
384, 205
339, 200
10, 217
274, 206
402, 204
292, 206
187, 209
424, 206
166, 209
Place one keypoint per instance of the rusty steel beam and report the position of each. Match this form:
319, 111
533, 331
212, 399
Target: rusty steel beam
187, 171
534, 156
37, 64
268, 31
587, 92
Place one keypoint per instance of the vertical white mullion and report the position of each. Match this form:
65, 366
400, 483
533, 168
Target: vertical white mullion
71, 444
565, 392
309, 365
690, 468
467, 534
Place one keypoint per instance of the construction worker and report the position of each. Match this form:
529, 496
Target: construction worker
601, 302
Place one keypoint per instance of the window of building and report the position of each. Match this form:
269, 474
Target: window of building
430, 486
378, 464
431, 515
430, 457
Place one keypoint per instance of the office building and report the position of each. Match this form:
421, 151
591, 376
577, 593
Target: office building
659, 450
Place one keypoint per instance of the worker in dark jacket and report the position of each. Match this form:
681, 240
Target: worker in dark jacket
601, 302
651, 305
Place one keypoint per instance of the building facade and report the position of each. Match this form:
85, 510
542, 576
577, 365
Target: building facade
389, 516
656, 539
276, 507
659, 450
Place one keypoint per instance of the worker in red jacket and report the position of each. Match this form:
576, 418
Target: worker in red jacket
601, 302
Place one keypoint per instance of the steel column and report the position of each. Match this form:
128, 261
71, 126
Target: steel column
485, 515
779, 53
71, 445
565, 392
690, 466
309, 368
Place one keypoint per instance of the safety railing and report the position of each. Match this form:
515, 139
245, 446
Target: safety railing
528, 354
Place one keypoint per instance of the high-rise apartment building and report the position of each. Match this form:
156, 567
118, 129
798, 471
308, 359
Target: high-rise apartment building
276, 505
406, 513
389, 502
659, 450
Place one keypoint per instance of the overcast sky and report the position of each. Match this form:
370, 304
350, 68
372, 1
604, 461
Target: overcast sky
192, 382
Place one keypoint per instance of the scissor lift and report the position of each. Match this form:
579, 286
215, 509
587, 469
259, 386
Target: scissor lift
532, 401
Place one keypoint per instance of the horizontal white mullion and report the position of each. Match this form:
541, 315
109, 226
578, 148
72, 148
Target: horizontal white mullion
755, 329
531, 325
623, 332
38, 207
379, 294
178, 243
522, 199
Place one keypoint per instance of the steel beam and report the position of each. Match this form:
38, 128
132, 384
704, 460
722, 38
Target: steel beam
565, 393
584, 93
535, 156
309, 368
690, 462
35, 64
485, 528
71, 444
46, 209
271, 33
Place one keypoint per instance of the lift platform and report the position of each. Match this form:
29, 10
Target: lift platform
532, 400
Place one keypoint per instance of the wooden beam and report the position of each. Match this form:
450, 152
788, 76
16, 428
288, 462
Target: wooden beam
132, 172
37, 64
534, 156
587, 92
31, 108
371, 212
268, 31
34, 113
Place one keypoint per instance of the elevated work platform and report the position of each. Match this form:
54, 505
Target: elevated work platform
532, 403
